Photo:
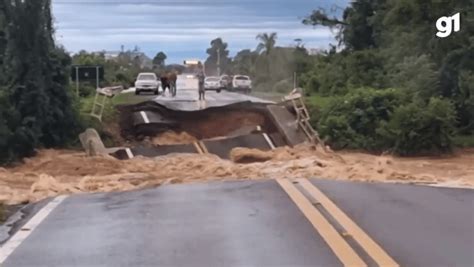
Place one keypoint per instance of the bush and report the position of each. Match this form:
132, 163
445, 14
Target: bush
352, 121
86, 90
416, 128
283, 86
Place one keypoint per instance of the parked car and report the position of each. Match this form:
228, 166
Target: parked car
242, 82
147, 82
212, 83
226, 82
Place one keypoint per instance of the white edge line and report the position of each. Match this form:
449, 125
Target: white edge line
20, 236
129, 153
269, 141
145, 117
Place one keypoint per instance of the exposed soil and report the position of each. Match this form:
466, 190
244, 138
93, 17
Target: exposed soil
203, 124
221, 124
51, 172
55, 172
173, 138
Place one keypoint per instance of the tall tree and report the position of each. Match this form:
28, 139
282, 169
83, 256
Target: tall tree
244, 62
218, 57
159, 59
266, 42
40, 109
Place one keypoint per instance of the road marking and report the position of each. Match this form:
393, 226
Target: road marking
28, 228
204, 148
198, 148
338, 245
269, 141
129, 153
369, 245
145, 117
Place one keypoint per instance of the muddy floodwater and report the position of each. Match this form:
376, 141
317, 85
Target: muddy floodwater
54, 172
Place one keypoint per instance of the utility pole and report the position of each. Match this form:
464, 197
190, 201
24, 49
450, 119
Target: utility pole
218, 62
294, 80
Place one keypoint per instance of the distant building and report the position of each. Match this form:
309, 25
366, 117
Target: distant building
110, 55
314, 51
145, 61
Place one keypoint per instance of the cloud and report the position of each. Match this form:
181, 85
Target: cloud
182, 27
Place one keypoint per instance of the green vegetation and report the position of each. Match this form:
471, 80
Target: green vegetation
118, 71
464, 140
129, 98
319, 101
389, 84
36, 107
392, 44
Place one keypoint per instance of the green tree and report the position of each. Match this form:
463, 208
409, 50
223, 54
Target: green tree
218, 57
159, 59
244, 62
36, 106
266, 42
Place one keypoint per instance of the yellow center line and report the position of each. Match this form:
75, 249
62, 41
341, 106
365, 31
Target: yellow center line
198, 148
338, 245
204, 148
369, 245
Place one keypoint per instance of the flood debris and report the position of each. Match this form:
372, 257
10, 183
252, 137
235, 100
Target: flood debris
56, 172
53, 173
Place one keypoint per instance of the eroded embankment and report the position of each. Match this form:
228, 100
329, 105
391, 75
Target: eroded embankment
55, 172
51, 172
231, 120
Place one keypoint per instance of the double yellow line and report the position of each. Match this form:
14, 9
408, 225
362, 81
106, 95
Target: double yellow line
200, 147
335, 240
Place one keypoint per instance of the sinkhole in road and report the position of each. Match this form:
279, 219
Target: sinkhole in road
151, 123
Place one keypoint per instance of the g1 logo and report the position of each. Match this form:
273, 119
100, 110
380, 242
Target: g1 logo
446, 25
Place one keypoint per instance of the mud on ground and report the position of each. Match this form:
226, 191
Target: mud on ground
52, 172
203, 124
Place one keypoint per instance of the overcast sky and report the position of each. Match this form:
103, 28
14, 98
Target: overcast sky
184, 28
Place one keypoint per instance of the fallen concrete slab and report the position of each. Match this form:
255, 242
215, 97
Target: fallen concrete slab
286, 124
150, 117
155, 151
93, 145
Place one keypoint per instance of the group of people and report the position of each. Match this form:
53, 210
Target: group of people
168, 81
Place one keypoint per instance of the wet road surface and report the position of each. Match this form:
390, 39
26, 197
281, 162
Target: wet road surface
253, 223
188, 99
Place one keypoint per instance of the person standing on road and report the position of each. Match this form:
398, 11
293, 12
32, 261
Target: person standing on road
172, 78
164, 82
202, 91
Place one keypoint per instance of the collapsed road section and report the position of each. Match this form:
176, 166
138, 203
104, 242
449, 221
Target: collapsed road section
217, 129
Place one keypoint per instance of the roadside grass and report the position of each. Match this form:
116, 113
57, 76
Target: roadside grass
110, 112
131, 98
464, 141
107, 128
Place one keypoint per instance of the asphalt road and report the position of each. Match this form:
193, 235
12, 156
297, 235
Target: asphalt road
188, 99
248, 223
